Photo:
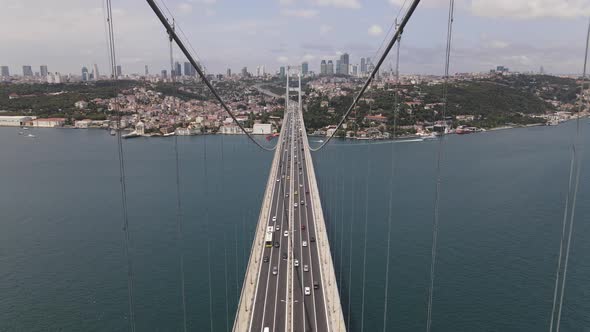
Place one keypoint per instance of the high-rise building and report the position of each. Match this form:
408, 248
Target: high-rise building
95, 73
57, 78
43, 70
119, 71
164, 74
262, 71
282, 72
354, 70
177, 69
245, 72
147, 72
338, 65
344, 61
85, 76
27, 71
363, 65
323, 68
330, 68
228, 74
189, 70
305, 68
4, 72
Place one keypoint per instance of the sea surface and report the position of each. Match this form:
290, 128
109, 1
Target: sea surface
501, 207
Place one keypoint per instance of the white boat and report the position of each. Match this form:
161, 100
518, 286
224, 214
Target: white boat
25, 128
113, 132
20, 133
31, 135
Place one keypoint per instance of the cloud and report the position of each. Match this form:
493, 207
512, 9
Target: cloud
302, 13
351, 4
282, 59
210, 12
526, 9
496, 44
375, 30
308, 57
185, 8
325, 29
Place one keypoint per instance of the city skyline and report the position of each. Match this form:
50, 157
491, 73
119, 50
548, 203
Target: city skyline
229, 34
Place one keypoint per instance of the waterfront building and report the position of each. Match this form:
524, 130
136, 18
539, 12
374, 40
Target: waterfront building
14, 121
262, 129
48, 122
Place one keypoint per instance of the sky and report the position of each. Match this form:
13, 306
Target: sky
520, 34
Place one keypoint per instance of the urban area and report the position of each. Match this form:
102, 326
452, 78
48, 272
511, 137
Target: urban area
176, 102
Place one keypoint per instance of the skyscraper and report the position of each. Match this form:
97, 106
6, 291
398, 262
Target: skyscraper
95, 73
245, 72
188, 69
228, 74
323, 68
330, 68
85, 76
305, 68
164, 74
177, 69
43, 70
146, 70
363, 65
338, 65
282, 72
27, 71
4, 72
344, 61
119, 71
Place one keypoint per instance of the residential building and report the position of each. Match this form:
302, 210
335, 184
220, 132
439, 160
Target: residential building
85, 76
95, 72
43, 70
27, 71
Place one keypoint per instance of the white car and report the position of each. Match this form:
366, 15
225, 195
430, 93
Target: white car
277, 227
274, 218
304, 243
305, 268
295, 205
307, 291
278, 180
300, 185
286, 233
296, 263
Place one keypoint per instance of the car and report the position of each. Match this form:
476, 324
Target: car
277, 244
295, 205
300, 185
284, 255
306, 268
266, 259
278, 180
307, 291
296, 193
296, 263
316, 285
302, 227
286, 233
312, 239
304, 243
277, 227
274, 218
307, 192
302, 202
287, 195
275, 271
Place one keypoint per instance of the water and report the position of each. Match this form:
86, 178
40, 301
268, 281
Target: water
62, 264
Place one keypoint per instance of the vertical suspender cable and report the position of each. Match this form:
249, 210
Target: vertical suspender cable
438, 168
576, 164
366, 236
122, 179
352, 218
391, 176
179, 234
209, 228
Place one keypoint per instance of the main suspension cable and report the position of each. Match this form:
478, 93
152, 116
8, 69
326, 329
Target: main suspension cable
372, 76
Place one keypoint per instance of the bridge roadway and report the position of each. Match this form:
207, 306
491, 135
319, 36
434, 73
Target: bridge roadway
278, 273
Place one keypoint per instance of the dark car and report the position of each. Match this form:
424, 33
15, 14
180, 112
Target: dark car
265, 259
312, 239
277, 244
303, 227
316, 285
284, 255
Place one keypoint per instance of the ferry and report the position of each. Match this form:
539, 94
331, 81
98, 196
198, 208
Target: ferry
462, 130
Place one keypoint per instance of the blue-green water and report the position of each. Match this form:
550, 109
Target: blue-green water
62, 262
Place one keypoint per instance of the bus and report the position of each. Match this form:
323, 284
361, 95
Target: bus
268, 236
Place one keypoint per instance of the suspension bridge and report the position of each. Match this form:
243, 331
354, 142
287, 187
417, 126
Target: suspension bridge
290, 281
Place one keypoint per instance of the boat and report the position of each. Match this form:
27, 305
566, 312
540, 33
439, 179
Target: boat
113, 132
25, 128
131, 135
168, 134
31, 135
20, 133
462, 130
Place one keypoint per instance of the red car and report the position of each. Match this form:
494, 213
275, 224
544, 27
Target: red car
302, 227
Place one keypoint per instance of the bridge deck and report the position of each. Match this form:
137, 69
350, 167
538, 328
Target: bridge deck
279, 301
